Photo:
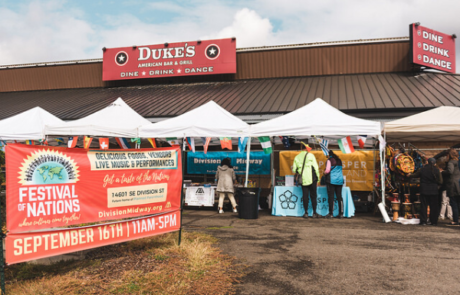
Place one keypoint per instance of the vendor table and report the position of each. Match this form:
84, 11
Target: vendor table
200, 196
288, 201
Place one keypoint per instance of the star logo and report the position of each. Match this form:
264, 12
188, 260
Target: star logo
121, 58
212, 51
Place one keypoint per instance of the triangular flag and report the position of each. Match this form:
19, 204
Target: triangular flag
43, 142
345, 145
87, 142
73, 140
361, 140
191, 143
60, 141
29, 142
266, 144
153, 142
285, 141
123, 143
104, 143
323, 143
206, 141
226, 143
242, 141
173, 141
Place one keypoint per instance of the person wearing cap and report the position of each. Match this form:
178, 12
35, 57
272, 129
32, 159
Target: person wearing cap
430, 179
334, 182
305, 164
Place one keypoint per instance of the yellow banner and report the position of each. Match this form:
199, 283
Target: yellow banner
358, 167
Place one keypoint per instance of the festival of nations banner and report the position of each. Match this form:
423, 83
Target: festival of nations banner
201, 163
50, 187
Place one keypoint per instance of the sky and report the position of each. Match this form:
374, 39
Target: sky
33, 31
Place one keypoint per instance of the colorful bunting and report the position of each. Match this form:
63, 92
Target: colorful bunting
226, 142
362, 140
285, 141
104, 143
60, 141
153, 142
123, 143
266, 144
206, 141
173, 141
30, 142
191, 143
242, 142
345, 145
323, 143
87, 142
72, 142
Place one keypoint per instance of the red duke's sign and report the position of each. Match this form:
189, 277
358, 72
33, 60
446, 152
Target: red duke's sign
170, 60
432, 49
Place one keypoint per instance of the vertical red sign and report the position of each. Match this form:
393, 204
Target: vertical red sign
433, 49
170, 60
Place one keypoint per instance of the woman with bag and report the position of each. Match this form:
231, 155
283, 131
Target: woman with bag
305, 164
225, 176
334, 182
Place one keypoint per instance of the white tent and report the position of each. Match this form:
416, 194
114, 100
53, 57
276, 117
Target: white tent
116, 120
208, 120
442, 123
316, 118
27, 125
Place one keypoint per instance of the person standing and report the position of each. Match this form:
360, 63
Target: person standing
446, 209
430, 179
305, 164
334, 182
452, 183
225, 177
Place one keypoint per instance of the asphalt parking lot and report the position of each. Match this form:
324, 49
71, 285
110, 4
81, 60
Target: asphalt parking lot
360, 255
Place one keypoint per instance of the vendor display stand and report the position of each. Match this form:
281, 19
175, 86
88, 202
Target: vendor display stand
288, 201
200, 196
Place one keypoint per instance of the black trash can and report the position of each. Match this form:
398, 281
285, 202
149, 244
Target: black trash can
248, 202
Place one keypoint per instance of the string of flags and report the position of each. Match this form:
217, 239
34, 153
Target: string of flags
345, 144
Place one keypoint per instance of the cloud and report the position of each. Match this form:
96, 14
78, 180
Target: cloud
51, 30
40, 32
249, 28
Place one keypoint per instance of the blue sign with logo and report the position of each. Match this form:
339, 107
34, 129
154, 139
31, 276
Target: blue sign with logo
201, 163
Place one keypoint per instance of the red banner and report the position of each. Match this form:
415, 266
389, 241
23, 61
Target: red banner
170, 60
31, 246
433, 49
48, 187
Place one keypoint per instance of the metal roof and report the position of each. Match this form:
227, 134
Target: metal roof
244, 49
387, 95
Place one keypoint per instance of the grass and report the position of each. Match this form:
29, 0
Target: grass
155, 265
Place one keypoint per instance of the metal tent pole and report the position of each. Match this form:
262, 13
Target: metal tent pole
183, 155
247, 161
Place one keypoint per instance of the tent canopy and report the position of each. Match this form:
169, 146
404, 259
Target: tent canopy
441, 123
116, 120
316, 118
208, 120
27, 125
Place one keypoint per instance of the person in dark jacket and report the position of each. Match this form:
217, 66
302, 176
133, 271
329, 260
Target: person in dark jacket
452, 184
430, 179
334, 182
